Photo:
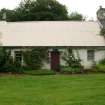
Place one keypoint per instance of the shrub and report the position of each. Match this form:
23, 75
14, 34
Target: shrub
70, 59
17, 67
73, 65
4, 58
34, 59
102, 62
100, 68
12, 66
71, 70
7, 64
102, 32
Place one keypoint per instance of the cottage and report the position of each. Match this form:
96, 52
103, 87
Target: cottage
82, 37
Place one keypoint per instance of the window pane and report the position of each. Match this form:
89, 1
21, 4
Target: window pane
90, 55
18, 56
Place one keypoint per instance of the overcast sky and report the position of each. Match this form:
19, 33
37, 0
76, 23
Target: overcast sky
86, 7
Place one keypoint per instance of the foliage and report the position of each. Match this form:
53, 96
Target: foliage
35, 58
73, 65
76, 16
100, 67
30, 10
7, 64
12, 66
70, 59
71, 70
4, 57
102, 32
102, 62
39, 10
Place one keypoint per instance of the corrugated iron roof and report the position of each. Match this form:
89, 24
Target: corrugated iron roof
51, 33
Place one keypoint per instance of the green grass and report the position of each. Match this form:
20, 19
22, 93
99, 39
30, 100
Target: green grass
53, 90
39, 72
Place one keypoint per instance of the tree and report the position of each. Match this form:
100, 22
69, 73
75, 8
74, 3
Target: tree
102, 32
40, 10
30, 10
75, 16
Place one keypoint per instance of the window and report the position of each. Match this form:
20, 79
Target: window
90, 55
18, 56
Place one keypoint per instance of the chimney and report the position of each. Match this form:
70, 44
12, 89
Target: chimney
100, 6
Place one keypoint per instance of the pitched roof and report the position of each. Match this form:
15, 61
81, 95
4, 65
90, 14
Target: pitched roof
51, 33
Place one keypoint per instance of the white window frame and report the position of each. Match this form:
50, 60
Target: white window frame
90, 55
18, 55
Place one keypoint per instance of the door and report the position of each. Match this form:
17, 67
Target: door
55, 61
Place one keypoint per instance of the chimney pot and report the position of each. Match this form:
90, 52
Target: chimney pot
100, 7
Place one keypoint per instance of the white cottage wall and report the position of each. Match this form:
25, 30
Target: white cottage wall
45, 65
81, 53
84, 61
99, 55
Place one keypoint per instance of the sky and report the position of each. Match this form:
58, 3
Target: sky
86, 7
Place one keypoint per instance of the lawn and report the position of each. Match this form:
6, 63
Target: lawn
53, 90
